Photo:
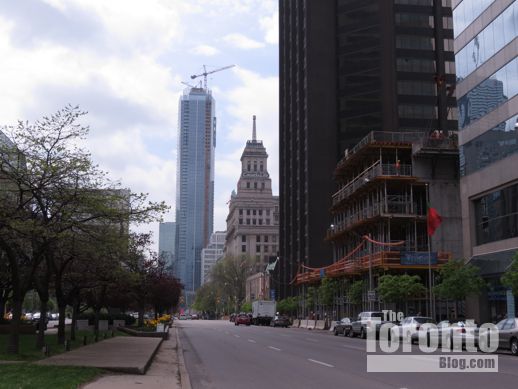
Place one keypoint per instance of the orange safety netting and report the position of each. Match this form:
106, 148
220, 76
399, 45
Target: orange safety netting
344, 265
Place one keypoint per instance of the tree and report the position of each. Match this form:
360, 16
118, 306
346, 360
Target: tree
458, 280
355, 292
288, 306
399, 288
510, 277
327, 290
246, 307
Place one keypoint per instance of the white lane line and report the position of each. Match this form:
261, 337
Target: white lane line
237, 336
252, 341
320, 363
274, 348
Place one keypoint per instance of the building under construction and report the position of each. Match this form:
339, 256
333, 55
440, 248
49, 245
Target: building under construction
386, 183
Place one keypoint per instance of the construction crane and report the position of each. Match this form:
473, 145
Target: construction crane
206, 73
189, 85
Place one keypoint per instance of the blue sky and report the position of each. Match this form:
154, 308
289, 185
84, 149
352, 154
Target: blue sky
123, 60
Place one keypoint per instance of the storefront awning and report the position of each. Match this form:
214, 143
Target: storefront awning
494, 263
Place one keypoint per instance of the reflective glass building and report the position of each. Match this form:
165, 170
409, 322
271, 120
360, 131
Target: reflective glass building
486, 49
194, 184
166, 243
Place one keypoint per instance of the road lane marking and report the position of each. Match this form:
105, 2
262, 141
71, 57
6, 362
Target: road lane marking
320, 363
355, 348
237, 336
252, 341
274, 348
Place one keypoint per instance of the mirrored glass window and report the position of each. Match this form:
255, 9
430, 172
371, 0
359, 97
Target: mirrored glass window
489, 94
466, 12
493, 145
488, 42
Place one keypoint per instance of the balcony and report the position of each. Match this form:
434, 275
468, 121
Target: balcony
376, 170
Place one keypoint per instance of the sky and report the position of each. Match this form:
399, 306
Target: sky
123, 61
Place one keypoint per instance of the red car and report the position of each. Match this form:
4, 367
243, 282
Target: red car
242, 319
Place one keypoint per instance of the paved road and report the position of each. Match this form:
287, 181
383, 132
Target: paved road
221, 355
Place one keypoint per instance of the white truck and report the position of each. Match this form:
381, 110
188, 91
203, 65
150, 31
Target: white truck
263, 312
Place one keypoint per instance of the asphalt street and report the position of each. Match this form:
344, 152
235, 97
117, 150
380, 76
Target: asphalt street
221, 355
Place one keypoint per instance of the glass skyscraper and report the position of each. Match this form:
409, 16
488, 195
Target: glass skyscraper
194, 184
486, 56
166, 244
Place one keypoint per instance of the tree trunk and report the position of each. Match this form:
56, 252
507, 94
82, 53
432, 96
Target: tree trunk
141, 316
61, 325
40, 338
75, 313
2, 307
97, 311
14, 336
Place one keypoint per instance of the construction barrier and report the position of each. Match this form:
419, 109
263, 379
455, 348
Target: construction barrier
311, 324
333, 324
320, 325
304, 323
296, 323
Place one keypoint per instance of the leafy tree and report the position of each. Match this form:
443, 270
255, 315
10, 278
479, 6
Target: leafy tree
246, 307
355, 292
458, 280
288, 306
510, 277
399, 288
327, 290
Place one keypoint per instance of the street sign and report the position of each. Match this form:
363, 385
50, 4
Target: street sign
371, 295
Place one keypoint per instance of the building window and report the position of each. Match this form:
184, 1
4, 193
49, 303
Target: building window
262, 185
257, 249
261, 167
254, 222
255, 185
248, 221
247, 185
248, 167
240, 211
260, 212
266, 248
260, 222
243, 238
274, 238
240, 221
496, 215
266, 238
254, 212
267, 222
243, 249
247, 212
258, 238
267, 212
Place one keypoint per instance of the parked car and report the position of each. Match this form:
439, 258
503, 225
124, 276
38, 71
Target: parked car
232, 317
367, 321
194, 316
242, 318
409, 327
508, 335
343, 327
280, 321
183, 316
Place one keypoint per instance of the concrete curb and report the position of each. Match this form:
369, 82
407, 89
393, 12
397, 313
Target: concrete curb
150, 360
185, 381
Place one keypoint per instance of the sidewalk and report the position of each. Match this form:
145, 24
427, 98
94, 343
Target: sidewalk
125, 354
164, 372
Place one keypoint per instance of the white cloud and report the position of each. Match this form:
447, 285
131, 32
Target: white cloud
205, 50
270, 27
242, 42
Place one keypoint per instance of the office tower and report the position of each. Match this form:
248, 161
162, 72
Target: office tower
349, 67
487, 68
194, 184
166, 244
212, 254
253, 217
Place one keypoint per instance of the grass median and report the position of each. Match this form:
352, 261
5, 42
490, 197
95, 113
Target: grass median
29, 352
29, 376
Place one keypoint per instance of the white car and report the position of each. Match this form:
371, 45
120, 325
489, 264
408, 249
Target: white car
408, 329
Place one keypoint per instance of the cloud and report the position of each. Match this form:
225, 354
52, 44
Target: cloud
241, 41
270, 27
205, 50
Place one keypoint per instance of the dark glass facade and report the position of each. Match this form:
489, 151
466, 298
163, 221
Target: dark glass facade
496, 215
494, 145
349, 67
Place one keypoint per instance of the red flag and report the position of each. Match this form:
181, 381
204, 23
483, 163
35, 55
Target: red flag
433, 220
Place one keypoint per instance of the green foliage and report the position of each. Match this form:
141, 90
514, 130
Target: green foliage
311, 295
246, 307
23, 375
510, 277
356, 292
458, 280
288, 305
396, 288
327, 290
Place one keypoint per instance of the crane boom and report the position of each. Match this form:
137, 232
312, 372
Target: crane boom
206, 73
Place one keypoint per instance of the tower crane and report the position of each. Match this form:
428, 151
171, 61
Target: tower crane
206, 73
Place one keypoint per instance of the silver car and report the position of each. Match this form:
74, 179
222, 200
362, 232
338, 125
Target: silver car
508, 335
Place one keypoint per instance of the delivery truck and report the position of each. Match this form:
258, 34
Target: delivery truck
263, 312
